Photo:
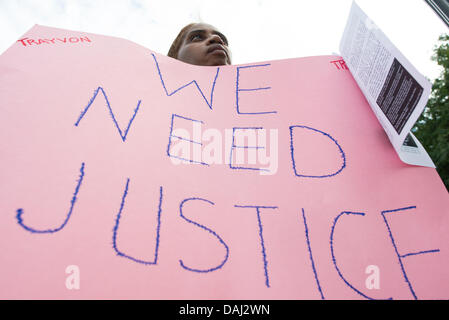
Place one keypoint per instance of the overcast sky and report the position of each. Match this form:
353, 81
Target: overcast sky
258, 30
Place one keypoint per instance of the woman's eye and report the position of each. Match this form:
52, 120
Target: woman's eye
196, 37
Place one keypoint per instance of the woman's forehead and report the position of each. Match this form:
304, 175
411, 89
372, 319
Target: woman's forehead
201, 27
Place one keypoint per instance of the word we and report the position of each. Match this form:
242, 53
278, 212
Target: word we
29, 42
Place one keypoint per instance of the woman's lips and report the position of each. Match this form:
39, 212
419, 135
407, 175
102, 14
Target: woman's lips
217, 48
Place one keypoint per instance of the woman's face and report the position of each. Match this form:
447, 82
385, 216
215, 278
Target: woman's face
203, 45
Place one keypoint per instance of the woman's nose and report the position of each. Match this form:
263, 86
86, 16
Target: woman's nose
214, 38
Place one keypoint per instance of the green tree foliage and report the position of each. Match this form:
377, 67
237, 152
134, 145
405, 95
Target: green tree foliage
432, 128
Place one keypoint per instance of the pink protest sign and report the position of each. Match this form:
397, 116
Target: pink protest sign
128, 174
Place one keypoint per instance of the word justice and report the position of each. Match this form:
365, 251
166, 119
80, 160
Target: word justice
257, 209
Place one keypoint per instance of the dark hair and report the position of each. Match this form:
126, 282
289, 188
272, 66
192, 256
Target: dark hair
173, 52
